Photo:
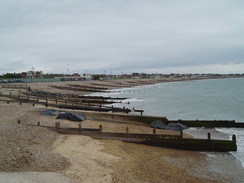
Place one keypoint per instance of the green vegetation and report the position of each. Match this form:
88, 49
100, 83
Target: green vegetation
11, 75
96, 77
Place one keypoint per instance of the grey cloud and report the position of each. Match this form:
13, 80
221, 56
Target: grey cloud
120, 35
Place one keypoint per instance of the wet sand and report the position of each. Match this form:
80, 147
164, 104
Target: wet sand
219, 163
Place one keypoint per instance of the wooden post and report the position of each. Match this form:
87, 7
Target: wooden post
100, 128
154, 131
20, 103
127, 132
38, 123
57, 125
209, 136
18, 121
233, 138
100, 107
46, 102
181, 134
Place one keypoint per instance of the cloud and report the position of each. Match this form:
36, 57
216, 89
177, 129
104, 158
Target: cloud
230, 68
120, 36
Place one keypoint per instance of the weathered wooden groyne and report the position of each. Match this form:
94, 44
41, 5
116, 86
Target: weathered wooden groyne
193, 144
69, 102
147, 120
101, 97
210, 123
82, 89
95, 103
89, 87
159, 140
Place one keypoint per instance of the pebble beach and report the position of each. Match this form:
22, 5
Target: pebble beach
31, 153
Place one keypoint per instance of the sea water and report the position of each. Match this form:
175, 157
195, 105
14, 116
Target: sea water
220, 99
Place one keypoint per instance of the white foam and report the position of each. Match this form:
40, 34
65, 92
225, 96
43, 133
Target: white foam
239, 154
132, 100
210, 154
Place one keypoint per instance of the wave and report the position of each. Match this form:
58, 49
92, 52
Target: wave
132, 100
239, 154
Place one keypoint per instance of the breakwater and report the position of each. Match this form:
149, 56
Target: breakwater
153, 139
210, 123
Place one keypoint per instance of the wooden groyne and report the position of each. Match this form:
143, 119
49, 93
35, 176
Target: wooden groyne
19, 86
97, 103
147, 120
210, 123
81, 89
123, 118
159, 140
194, 144
101, 97
87, 104
89, 87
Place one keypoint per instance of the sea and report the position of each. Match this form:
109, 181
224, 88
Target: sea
210, 99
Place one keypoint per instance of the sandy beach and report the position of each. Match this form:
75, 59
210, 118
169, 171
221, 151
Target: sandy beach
37, 154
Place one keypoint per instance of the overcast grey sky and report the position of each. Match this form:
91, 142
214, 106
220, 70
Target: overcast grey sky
122, 36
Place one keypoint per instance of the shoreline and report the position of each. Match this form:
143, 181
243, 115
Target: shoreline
226, 163
123, 162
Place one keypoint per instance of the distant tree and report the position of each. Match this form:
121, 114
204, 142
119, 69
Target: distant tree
95, 77
12, 75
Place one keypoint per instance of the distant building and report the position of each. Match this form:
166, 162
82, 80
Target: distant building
85, 76
34, 74
76, 75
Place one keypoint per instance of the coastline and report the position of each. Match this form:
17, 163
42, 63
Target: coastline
115, 161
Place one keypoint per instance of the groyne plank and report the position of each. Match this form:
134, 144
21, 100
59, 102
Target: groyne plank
159, 140
210, 123
193, 144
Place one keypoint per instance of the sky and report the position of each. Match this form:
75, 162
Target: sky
122, 36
